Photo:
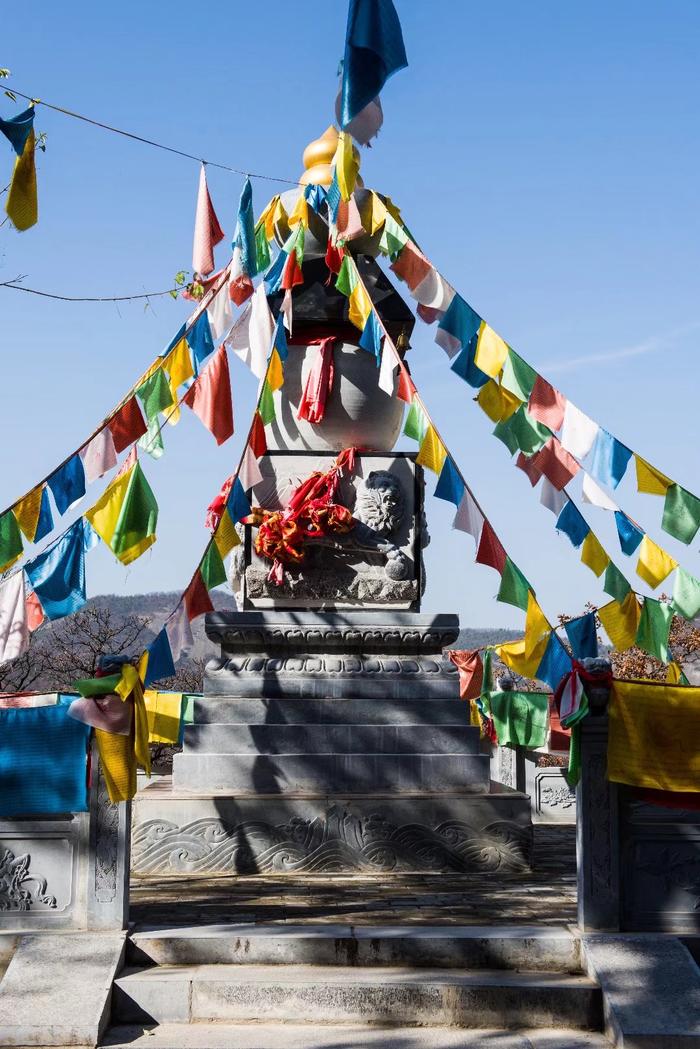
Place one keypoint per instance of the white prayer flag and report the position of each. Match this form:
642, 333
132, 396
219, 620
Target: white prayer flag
578, 432
469, 517
551, 497
14, 632
179, 631
99, 455
251, 338
594, 494
386, 368
434, 291
220, 313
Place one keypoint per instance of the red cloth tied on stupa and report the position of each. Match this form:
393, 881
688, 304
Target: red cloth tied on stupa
319, 382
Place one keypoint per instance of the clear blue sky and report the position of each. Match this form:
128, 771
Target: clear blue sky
545, 156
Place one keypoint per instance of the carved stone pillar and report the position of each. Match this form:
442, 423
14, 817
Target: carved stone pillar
597, 833
109, 857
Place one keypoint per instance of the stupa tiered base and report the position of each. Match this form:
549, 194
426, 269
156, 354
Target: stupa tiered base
330, 742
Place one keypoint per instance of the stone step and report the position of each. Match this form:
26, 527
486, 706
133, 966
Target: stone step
438, 946
332, 739
387, 711
245, 774
340, 995
305, 1036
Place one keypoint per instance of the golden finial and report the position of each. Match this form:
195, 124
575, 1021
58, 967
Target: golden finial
318, 159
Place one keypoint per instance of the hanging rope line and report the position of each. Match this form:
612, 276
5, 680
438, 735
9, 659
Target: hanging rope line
87, 298
151, 142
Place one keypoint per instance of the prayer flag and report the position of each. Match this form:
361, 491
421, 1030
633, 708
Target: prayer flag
433, 293
178, 630
502, 430
457, 327
155, 394
258, 440
654, 563
416, 423
405, 389
594, 494
209, 397
22, 206
220, 313
654, 628
609, 459
212, 568
200, 340
27, 512
629, 534
578, 432
240, 285
469, 517
411, 266
521, 719
491, 350
615, 583
572, 523
245, 234
556, 463
581, 633
529, 467
464, 366
374, 51
537, 629
152, 440
552, 498
126, 515
593, 555
432, 451
160, 659
686, 594
491, 552
347, 165
238, 504
275, 372
371, 338
45, 523
251, 340
514, 588
266, 405
546, 404
127, 425
226, 537
620, 620
164, 711
681, 513
471, 672
496, 402
649, 479
450, 485
556, 663
10, 540
529, 434
196, 598
99, 455
518, 377
57, 576
249, 472
67, 484
14, 628
207, 231
359, 306
17, 129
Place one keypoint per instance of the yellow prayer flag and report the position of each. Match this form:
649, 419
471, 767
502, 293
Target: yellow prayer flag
275, 371
226, 537
118, 764
653, 732
267, 218
27, 512
373, 213
178, 363
300, 212
104, 515
22, 206
537, 627
164, 712
491, 350
650, 480
621, 621
673, 673
359, 306
593, 555
514, 655
497, 402
347, 165
142, 665
654, 563
432, 452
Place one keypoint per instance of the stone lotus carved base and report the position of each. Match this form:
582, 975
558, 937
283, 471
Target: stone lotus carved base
336, 841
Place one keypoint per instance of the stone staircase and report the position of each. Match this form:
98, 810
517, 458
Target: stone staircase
336, 987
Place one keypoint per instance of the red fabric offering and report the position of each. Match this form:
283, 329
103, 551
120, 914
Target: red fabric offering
197, 600
319, 383
546, 404
556, 463
411, 266
471, 672
127, 425
209, 397
491, 551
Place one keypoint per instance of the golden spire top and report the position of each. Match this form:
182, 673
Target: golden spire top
318, 159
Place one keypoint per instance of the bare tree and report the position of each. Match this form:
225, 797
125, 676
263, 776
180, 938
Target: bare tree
75, 645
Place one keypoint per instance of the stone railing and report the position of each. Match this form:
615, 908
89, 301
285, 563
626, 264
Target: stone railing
68, 871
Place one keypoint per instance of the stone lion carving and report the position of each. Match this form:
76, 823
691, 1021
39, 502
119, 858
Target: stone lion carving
381, 504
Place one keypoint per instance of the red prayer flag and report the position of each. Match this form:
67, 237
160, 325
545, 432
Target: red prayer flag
334, 258
546, 404
405, 390
207, 231
555, 463
428, 313
209, 397
196, 598
35, 613
411, 266
291, 274
491, 551
527, 464
471, 672
127, 425
258, 440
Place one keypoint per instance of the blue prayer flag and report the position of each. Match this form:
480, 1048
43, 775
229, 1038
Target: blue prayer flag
316, 196
465, 367
556, 662
200, 339
238, 505
280, 341
45, 523
17, 129
371, 338
174, 341
572, 523
581, 633
374, 50
450, 485
333, 197
160, 659
58, 575
629, 535
245, 236
608, 459
68, 483
460, 322
273, 277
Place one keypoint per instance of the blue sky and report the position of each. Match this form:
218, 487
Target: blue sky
544, 155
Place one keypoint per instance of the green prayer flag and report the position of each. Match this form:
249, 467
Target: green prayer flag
97, 686
262, 249
654, 628
152, 440
518, 377
10, 540
504, 432
514, 588
346, 281
686, 594
615, 583
530, 434
573, 773
188, 699
416, 424
521, 719
212, 568
135, 529
487, 675
266, 407
393, 238
681, 513
155, 394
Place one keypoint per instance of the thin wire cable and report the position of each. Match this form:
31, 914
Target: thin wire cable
87, 298
150, 142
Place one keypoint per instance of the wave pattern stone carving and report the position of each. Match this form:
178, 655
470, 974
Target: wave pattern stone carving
336, 842
20, 890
